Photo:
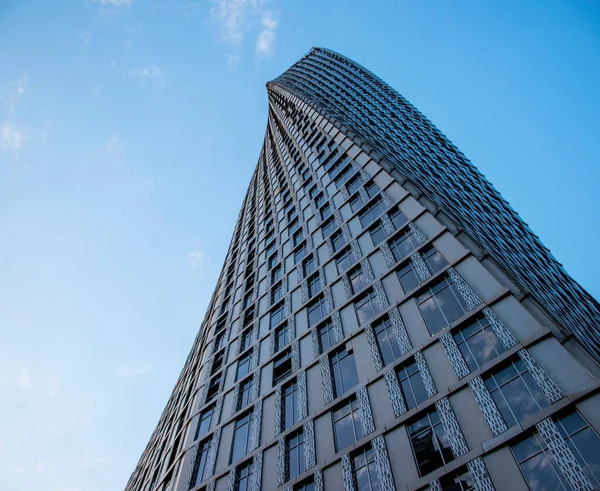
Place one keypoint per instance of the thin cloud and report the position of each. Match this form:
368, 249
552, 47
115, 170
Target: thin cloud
11, 139
113, 147
199, 262
114, 3
131, 371
87, 36
20, 88
266, 39
146, 73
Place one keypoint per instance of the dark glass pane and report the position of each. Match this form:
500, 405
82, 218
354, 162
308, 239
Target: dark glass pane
588, 444
344, 432
432, 316
540, 474
503, 408
449, 304
408, 278
416, 381
428, 458
348, 370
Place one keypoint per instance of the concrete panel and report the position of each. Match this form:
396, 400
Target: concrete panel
470, 418
396, 192
377, 264
590, 410
296, 299
479, 278
333, 479
392, 287
323, 254
224, 447
439, 366
324, 441
449, 247
338, 293
266, 378
301, 322
330, 270
314, 389
268, 416
415, 325
269, 478
355, 227
402, 461
362, 357
410, 207
349, 321
366, 244
516, 318
306, 352
504, 471
380, 403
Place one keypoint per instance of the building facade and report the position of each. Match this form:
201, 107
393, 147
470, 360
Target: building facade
383, 320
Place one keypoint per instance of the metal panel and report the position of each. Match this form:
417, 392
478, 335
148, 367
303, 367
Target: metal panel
425, 374
545, 383
256, 425
487, 406
326, 380
310, 457
384, 470
454, 355
277, 420
364, 406
395, 392
453, 431
374, 348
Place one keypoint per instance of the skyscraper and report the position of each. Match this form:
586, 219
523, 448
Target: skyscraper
383, 319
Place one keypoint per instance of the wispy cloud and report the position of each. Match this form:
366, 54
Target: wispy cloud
86, 36
16, 94
200, 262
132, 371
146, 73
266, 39
11, 139
26, 381
236, 18
114, 3
113, 147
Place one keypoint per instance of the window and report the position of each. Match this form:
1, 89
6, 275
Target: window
377, 233
325, 212
245, 390
243, 366
213, 387
319, 200
538, 466
338, 240
433, 259
272, 261
282, 367
357, 279
243, 477
246, 340
372, 189
276, 274
295, 454
314, 285
200, 464
478, 343
583, 442
247, 299
429, 443
387, 340
441, 305
411, 384
365, 471
289, 405
459, 480
356, 203
326, 336
408, 278
241, 435
344, 371
328, 227
347, 428
299, 254
282, 337
219, 340
293, 226
204, 422
515, 392
297, 238
403, 245
367, 307
309, 265
354, 183
277, 292
308, 485
344, 261
316, 311
398, 218
371, 212
276, 315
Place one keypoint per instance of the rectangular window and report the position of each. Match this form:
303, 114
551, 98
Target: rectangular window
515, 392
366, 307
276, 274
356, 203
282, 337
204, 422
347, 428
343, 368
319, 200
372, 189
309, 265
338, 240
289, 407
371, 212
377, 233
316, 311
300, 254
246, 340
307, 485
398, 218
314, 285
354, 183
459, 480
243, 366
277, 292
282, 367
297, 238
365, 470
293, 226
243, 477
295, 454
433, 259
344, 261
241, 438
244, 394
429, 442
411, 384
441, 305
325, 212
357, 279
408, 278
276, 315
328, 227
387, 340
213, 387
403, 245
478, 343
326, 336
200, 464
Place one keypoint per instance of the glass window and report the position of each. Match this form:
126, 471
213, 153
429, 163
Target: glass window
213, 387
243, 477
398, 218
314, 285
377, 234
372, 189
325, 212
308, 485
282, 367
367, 307
289, 405
293, 226
347, 427
538, 466
403, 245
371, 212
344, 371
433, 259
430, 443
240, 437
387, 340
276, 315
411, 384
326, 336
354, 183
277, 292
357, 279
356, 203
243, 366
295, 454
441, 305
365, 471
246, 340
309, 265
408, 278
344, 261
319, 200
276, 274
297, 238
328, 227
244, 394
204, 422
338, 240
478, 343
282, 337
583, 442
316, 311
299, 254
459, 480
200, 464
515, 392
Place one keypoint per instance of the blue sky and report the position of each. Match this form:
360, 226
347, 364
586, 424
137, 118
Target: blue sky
129, 130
